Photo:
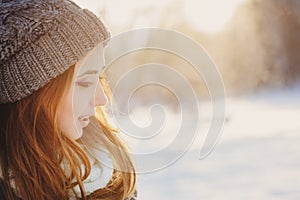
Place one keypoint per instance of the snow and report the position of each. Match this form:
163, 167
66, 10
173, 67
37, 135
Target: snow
257, 157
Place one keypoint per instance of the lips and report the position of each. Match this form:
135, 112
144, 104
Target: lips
84, 120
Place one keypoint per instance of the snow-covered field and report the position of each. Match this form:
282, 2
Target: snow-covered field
257, 157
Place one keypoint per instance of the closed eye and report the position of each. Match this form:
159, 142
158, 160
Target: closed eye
84, 84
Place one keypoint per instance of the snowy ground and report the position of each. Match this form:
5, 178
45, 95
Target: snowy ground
257, 157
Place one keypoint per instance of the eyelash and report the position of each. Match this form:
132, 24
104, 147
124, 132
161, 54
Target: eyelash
84, 84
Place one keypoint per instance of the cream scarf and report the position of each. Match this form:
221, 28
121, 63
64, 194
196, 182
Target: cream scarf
101, 172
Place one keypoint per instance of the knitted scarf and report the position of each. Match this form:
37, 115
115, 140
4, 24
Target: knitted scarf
101, 172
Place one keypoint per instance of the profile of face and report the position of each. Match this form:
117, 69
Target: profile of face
84, 94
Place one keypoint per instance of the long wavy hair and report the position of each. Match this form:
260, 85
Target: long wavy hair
33, 149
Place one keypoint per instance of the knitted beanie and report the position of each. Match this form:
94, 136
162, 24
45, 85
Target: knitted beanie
39, 40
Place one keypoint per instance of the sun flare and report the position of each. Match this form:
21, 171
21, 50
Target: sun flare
209, 15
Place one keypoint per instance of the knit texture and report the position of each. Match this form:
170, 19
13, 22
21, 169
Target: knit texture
39, 40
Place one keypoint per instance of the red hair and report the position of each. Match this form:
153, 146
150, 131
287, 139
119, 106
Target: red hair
33, 148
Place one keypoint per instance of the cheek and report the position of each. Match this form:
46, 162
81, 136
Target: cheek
65, 118
84, 101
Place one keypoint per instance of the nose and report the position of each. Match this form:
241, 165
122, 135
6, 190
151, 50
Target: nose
100, 98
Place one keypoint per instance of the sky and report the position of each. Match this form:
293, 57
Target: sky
205, 15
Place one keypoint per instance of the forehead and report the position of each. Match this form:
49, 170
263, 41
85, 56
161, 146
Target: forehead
93, 60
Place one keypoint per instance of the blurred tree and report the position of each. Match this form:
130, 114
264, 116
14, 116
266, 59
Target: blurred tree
289, 13
258, 48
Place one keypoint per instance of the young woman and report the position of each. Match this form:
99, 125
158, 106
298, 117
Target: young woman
55, 140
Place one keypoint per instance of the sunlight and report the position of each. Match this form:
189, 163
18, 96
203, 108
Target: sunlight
209, 15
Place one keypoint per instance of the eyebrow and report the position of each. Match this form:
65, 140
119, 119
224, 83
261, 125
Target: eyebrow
89, 72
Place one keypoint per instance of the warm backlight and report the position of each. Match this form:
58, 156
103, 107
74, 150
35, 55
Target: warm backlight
209, 15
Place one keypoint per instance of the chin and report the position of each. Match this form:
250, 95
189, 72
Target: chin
75, 134
78, 134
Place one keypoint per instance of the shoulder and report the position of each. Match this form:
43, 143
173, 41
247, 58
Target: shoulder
133, 196
2, 192
2, 196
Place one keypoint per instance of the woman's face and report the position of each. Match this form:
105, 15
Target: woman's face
85, 93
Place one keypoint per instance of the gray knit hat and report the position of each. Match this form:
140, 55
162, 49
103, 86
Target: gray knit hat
39, 40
